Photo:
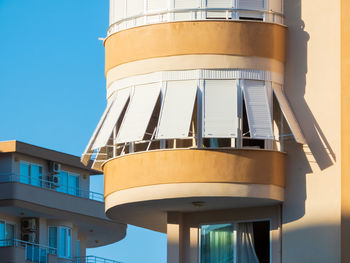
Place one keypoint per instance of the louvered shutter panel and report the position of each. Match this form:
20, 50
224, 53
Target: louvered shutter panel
288, 114
220, 109
251, 4
134, 7
258, 110
119, 9
111, 11
88, 150
183, 4
139, 113
112, 118
157, 5
177, 109
220, 3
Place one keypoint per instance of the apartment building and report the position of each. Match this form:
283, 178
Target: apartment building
47, 212
224, 125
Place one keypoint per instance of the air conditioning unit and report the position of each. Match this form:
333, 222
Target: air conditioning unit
54, 168
29, 224
54, 179
29, 237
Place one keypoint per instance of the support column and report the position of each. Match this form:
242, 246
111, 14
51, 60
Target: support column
174, 237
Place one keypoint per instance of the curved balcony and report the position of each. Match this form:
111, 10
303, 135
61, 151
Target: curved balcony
191, 14
140, 187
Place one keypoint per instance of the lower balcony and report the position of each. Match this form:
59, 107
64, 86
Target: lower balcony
141, 188
19, 251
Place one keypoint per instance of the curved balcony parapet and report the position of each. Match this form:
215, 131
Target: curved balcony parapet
140, 187
195, 14
235, 38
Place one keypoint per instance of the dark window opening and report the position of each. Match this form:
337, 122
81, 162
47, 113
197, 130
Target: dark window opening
251, 18
262, 240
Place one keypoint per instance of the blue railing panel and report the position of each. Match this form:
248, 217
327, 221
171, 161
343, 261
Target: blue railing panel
41, 183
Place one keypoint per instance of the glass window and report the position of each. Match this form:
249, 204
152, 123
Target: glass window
235, 243
7, 233
24, 172
68, 183
78, 251
62, 182
31, 173
62, 249
61, 238
69, 242
53, 237
217, 243
10, 231
73, 184
2, 234
36, 173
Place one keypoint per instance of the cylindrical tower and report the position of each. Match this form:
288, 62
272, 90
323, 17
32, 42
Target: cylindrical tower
193, 132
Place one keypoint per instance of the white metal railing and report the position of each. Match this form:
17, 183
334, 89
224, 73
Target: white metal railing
190, 14
94, 259
33, 252
46, 184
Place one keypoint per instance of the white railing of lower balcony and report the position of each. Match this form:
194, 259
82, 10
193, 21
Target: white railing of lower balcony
50, 185
33, 252
94, 259
195, 14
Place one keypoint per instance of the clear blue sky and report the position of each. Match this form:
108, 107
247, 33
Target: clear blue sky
52, 90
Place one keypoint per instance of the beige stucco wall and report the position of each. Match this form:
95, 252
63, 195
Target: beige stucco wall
311, 212
345, 138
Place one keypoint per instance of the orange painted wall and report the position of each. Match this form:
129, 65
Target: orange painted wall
200, 37
194, 166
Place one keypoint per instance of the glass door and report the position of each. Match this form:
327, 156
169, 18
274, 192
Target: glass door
2, 234
36, 173
10, 233
24, 173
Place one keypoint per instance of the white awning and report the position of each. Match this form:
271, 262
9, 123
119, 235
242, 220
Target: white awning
220, 3
156, 5
220, 109
112, 118
119, 7
139, 112
177, 109
134, 7
88, 150
183, 4
252, 4
288, 114
258, 110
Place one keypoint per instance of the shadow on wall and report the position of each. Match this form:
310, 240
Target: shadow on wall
311, 248
295, 84
318, 150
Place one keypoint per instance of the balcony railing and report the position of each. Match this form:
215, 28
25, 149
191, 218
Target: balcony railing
176, 15
94, 259
50, 185
33, 252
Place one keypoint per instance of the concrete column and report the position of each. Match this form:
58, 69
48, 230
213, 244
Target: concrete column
173, 243
175, 237
190, 244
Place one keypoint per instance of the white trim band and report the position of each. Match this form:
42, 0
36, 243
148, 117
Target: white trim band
196, 74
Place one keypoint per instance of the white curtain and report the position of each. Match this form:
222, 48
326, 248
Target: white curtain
245, 244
